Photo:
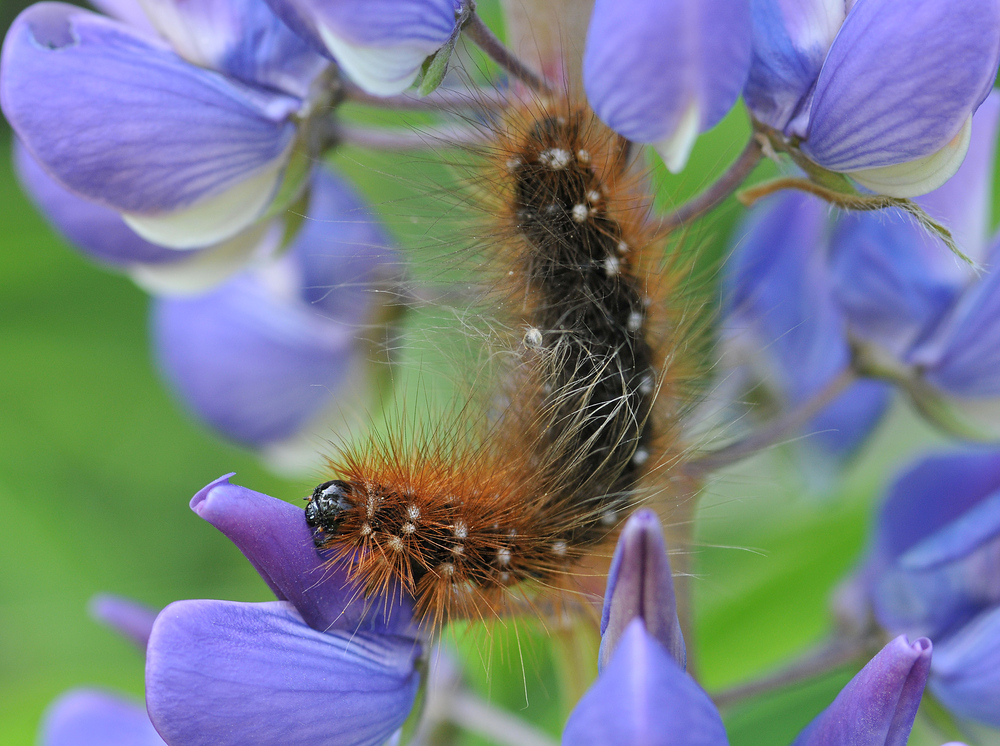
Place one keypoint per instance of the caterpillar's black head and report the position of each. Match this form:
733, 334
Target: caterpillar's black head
325, 508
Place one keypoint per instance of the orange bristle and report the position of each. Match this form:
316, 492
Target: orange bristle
477, 516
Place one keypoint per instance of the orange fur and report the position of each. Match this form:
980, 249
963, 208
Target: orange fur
482, 515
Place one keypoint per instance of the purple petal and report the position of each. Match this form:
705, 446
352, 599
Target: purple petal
957, 539
342, 250
241, 38
790, 41
933, 493
647, 62
779, 297
892, 279
87, 717
141, 131
253, 364
128, 618
965, 676
844, 425
261, 358
963, 356
949, 576
783, 321
381, 44
901, 79
963, 203
877, 707
127, 11
641, 585
643, 697
97, 230
220, 673
273, 535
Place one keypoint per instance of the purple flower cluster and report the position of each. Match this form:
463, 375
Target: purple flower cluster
855, 87
180, 142
326, 665
809, 295
644, 696
931, 570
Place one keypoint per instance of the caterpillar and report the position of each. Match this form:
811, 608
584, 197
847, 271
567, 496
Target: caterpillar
466, 522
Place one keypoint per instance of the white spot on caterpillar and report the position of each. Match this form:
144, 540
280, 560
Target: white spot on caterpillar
583, 156
366, 530
622, 248
580, 213
608, 517
552, 209
559, 548
634, 322
460, 529
612, 266
446, 569
458, 549
646, 385
413, 512
505, 577
503, 556
640, 456
513, 164
395, 544
533, 337
593, 196
555, 158
409, 528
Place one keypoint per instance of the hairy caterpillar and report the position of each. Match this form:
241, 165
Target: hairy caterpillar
464, 521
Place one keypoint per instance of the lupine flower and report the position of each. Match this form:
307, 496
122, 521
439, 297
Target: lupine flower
185, 125
931, 571
643, 696
882, 90
784, 330
662, 71
380, 44
322, 665
641, 586
803, 290
101, 234
272, 358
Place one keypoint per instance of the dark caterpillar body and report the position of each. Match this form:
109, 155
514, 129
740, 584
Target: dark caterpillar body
458, 524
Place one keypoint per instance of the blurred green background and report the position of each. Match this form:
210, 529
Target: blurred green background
97, 465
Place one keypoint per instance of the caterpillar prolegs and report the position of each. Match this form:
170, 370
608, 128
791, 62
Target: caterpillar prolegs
591, 404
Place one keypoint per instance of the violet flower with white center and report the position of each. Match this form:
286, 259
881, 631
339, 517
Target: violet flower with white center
274, 359
380, 44
881, 90
931, 570
784, 330
101, 234
661, 72
324, 665
189, 133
